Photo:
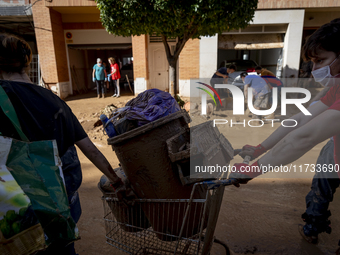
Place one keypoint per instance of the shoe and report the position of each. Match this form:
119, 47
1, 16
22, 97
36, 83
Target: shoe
114, 95
118, 96
309, 239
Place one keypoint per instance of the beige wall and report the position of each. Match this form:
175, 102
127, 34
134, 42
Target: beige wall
189, 60
317, 19
140, 62
285, 4
262, 4
51, 46
13, 2
71, 3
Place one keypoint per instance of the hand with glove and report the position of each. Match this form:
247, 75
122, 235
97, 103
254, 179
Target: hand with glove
105, 79
94, 79
253, 151
243, 172
124, 192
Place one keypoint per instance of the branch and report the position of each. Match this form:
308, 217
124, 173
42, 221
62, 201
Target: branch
166, 46
180, 45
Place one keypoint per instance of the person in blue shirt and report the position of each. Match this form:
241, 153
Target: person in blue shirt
260, 90
273, 82
99, 76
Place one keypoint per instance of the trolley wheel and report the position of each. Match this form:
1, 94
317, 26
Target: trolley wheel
227, 251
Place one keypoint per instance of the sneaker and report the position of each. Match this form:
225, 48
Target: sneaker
309, 239
118, 96
114, 95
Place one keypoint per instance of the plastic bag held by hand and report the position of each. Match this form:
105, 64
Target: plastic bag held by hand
253, 151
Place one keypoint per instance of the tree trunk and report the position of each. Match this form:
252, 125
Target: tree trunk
173, 77
172, 59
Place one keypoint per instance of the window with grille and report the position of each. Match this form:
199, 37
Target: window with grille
157, 38
34, 71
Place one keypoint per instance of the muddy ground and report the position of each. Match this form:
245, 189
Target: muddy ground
258, 218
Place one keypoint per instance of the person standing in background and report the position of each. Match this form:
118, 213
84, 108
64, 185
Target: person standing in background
99, 76
260, 91
115, 76
273, 82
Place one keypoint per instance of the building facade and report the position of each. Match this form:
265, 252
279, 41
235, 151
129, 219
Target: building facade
16, 18
70, 38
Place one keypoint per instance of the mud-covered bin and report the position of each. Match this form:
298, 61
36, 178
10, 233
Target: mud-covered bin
201, 145
143, 155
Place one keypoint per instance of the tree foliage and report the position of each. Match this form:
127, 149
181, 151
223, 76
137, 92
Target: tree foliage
175, 18
183, 19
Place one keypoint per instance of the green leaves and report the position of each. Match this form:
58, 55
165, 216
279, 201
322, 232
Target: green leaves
175, 18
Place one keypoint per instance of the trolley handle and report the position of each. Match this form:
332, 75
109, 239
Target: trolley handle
217, 183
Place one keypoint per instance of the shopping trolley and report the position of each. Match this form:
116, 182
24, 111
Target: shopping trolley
128, 230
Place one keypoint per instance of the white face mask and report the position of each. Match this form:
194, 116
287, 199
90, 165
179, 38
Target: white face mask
99, 64
323, 75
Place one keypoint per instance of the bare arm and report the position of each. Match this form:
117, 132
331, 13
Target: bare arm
301, 119
105, 73
301, 140
221, 75
94, 71
97, 158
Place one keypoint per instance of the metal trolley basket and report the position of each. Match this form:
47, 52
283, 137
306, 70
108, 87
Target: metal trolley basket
126, 231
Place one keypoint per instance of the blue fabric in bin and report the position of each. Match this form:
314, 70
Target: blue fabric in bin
149, 106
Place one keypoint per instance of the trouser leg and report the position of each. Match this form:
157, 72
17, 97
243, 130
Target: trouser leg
118, 87
323, 187
75, 210
98, 87
111, 86
102, 86
114, 86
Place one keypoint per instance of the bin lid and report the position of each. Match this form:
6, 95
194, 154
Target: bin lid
145, 128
